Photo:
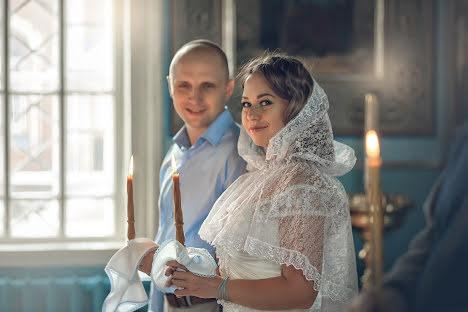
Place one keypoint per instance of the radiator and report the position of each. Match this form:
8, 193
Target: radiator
57, 294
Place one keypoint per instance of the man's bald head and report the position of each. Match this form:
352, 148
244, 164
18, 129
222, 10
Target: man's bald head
200, 47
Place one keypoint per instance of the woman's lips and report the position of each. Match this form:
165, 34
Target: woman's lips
257, 128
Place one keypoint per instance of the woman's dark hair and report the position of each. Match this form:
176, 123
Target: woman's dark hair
285, 75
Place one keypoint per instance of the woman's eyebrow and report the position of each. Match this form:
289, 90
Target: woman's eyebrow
260, 95
264, 94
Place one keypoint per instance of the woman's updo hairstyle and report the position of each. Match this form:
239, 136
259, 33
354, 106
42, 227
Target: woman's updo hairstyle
285, 75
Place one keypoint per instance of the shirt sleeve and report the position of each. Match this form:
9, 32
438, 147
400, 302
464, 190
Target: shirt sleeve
156, 302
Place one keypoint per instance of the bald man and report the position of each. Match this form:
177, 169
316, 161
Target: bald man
205, 150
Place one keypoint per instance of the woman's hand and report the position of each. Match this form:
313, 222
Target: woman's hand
146, 263
193, 285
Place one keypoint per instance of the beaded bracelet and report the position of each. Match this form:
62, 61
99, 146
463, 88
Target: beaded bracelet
221, 292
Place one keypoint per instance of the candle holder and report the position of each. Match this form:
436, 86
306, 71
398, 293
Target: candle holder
394, 209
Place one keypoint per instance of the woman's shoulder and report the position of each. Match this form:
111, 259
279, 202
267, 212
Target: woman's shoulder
302, 173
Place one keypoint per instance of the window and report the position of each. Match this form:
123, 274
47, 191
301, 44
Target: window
58, 130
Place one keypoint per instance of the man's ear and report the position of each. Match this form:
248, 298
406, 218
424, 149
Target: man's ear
169, 85
229, 89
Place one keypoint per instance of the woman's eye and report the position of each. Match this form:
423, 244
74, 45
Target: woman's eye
245, 104
265, 102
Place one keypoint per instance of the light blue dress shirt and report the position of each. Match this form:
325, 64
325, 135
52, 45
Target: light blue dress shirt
206, 169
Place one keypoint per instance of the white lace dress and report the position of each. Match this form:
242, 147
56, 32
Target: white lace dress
290, 209
241, 265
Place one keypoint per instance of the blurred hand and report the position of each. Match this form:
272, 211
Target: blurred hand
362, 303
390, 300
147, 263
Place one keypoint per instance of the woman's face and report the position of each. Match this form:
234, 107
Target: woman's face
262, 110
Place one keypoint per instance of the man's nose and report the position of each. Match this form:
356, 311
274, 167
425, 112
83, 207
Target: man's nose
195, 94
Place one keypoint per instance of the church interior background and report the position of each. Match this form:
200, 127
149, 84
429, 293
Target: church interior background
411, 54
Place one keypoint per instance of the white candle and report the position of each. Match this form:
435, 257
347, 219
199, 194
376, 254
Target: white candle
178, 214
371, 122
130, 205
374, 163
371, 113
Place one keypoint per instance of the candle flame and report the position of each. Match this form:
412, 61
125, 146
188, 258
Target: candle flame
173, 164
130, 167
372, 144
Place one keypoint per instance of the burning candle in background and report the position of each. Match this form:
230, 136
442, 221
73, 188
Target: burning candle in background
130, 206
371, 112
374, 162
371, 122
373, 148
178, 214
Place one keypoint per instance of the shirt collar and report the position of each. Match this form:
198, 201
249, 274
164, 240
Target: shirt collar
212, 134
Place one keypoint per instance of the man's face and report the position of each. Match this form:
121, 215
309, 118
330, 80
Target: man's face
199, 89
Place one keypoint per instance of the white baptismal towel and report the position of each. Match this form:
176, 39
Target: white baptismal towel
196, 260
127, 291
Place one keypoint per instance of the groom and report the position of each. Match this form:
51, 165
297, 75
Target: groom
205, 151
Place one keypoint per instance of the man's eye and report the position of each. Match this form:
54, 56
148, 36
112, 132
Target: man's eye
245, 104
183, 85
265, 102
208, 85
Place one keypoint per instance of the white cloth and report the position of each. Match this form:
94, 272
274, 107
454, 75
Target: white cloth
290, 209
127, 291
196, 260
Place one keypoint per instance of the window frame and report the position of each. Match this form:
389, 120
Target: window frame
138, 62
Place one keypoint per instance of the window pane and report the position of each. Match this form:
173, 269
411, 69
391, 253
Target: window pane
2, 146
34, 45
34, 218
2, 165
34, 153
2, 24
90, 145
89, 217
89, 47
2, 216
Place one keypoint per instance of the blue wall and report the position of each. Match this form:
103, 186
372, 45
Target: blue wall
416, 183
411, 164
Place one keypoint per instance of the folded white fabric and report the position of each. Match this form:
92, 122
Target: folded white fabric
196, 260
127, 291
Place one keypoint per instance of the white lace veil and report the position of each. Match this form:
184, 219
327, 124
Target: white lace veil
290, 209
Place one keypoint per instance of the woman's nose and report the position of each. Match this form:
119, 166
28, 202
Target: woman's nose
254, 112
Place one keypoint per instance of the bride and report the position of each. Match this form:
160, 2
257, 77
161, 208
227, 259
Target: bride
282, 231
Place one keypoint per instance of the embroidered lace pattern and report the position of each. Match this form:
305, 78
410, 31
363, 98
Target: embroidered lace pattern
290, 208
